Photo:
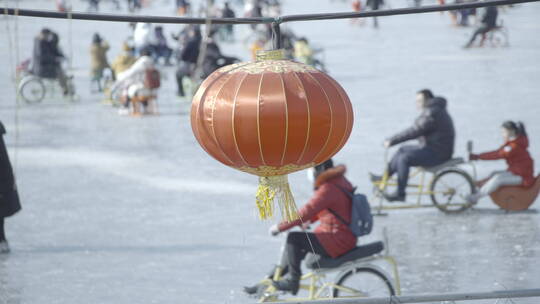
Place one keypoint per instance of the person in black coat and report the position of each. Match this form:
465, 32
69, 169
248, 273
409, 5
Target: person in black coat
214, 59
9, 198
228, 28
188, 58
161, 48
434, 129
44, 56
489, 22
47, 57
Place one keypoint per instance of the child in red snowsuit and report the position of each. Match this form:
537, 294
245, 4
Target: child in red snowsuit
514, 151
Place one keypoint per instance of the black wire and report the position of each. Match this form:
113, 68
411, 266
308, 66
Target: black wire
261, 20
132, 18
401, 11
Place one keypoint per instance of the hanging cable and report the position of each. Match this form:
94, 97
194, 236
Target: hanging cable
317, 260
13, 43
17, 97
267, 20
10, 42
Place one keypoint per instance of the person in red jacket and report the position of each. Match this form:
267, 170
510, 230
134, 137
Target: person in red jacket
332, 237
514, 151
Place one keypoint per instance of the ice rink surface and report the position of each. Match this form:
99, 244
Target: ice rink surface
131, 210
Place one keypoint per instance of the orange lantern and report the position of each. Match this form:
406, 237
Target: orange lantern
270, 118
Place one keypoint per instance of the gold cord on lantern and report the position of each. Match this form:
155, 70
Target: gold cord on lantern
273, 188
270, 55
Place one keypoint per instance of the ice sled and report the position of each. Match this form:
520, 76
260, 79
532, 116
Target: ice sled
516, 198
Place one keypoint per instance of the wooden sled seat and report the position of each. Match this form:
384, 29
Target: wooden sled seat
516, 198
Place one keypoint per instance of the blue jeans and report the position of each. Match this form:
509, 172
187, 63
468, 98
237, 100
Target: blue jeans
411, 156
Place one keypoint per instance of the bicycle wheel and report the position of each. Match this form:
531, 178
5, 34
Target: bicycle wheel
363, 282
449, 190
32, 90
503, 37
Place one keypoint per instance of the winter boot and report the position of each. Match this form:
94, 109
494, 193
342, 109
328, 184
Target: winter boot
395, 197
291, 285
251, 290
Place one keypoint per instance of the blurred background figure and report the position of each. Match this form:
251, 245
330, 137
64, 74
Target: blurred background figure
143, 37
357, 8
214, 58
124, 60
93, 5
488, 22
62, 6
461, 17
252, 9
99, 62
188, 57
375, 5
182, 7
256, 46
134, 5
134, 85
160, 48
47, 58
303, 52
287, 41
227, 30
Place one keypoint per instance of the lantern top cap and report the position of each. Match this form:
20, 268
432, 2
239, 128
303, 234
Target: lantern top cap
268, 66
271, 55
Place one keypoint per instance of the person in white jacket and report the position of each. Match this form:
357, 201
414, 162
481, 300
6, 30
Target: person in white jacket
131, 81
143, 37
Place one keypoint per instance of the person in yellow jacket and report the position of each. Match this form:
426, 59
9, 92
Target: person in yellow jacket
258, 45
123, 61
98, 55
303, 52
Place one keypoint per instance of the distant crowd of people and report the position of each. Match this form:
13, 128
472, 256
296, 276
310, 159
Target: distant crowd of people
486, 18
195, 51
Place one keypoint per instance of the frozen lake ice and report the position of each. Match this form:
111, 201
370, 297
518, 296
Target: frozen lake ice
126, 210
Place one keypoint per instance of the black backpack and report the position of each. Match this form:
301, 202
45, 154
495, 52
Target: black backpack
361, 217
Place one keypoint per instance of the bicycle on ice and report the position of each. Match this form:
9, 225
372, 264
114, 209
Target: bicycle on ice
448, 187
33, 89
357, 275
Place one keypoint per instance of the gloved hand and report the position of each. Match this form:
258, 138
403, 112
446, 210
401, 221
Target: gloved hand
274, 230
387, 144
473, 156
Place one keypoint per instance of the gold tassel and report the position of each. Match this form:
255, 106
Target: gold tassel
271, 188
